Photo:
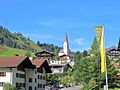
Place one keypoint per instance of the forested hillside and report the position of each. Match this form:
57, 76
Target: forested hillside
17, 40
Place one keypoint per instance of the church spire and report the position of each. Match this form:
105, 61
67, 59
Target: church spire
119, 45
66, 38
66, 45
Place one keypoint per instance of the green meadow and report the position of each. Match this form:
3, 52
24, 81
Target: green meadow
6, 51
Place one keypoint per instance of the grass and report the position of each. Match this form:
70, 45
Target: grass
115, 89
6, 51
2, 49
22, 39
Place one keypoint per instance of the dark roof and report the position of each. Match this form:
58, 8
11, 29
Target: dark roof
42, 63
44, 52
64, 55
60, 65
111, 48
11, 61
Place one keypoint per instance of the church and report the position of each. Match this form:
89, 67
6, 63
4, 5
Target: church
65, 52
65, 49
65, 61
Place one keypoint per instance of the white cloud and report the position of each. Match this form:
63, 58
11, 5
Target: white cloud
79, 41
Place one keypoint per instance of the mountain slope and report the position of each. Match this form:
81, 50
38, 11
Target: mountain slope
17, 40
7, 51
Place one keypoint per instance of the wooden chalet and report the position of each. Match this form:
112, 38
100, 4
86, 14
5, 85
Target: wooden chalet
44, 55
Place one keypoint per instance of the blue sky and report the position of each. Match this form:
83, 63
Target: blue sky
49, 20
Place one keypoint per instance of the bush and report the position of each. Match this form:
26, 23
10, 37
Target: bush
8, 86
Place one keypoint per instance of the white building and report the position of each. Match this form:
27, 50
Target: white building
23, 73
65, 50
65, 53
59, 68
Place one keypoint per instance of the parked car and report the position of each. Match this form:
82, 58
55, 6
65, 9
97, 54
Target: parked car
53, 88
61, 85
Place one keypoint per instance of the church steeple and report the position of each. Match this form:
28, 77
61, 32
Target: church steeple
119, 45
66, 38
66, 45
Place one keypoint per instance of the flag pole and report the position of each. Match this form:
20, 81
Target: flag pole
100, 37
106, 87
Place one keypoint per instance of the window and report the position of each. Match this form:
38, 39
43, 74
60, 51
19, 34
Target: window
1, 84
20, 85
35, 88
40, 85
23, 84
35, 80
17, 75
43, 85
41, 70
20, 75
16, 84
35, 71
23, 76
60, 70
43, 77
38, 76
30, 88
30, 80
2, 74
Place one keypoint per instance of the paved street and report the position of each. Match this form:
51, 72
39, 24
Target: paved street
72, 88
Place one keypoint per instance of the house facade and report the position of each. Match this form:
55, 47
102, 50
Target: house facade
114, 53
23, 73
44, 55
59, 68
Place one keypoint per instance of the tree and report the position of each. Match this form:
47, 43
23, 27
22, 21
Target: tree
85, 53
85, 69
94, 47
51, 78
8, 86
28, 53
38, 43
77, 56
67, 77
56, 54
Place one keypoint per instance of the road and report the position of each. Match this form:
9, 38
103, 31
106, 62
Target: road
72, 88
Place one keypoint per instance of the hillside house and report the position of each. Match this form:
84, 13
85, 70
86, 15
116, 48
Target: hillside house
44, 55
59, 68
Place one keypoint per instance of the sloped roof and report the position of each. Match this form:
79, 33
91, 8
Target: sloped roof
111, 48
40, 62
64, 55
44, 52
67, 64
11, 61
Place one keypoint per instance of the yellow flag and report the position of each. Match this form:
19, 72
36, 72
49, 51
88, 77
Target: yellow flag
100, 37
